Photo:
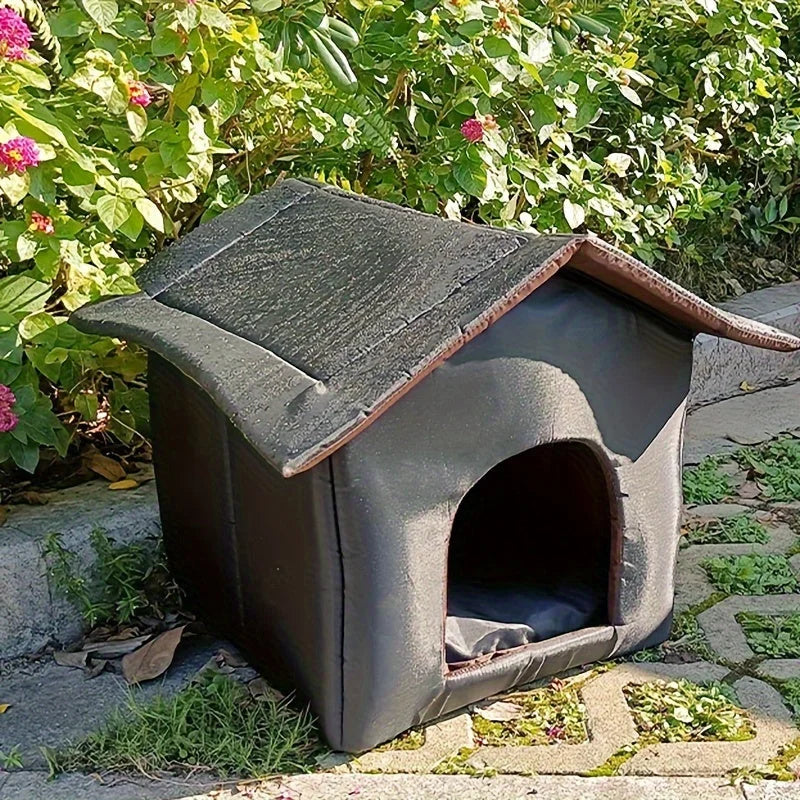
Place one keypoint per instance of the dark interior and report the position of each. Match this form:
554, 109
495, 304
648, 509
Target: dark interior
530, 553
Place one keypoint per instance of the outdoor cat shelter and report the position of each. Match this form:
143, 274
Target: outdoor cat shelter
407, 463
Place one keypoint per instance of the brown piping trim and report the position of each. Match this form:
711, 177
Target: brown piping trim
613, 268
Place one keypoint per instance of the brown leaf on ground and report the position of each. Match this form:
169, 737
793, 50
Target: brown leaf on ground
152, 659
114, 648
231, 659
34, 498
104, 466
128, 483
3, 514
95, 669
77, 660
499, 711
260, 690
749, 490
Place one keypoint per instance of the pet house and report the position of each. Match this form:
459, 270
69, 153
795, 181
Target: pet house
407, 463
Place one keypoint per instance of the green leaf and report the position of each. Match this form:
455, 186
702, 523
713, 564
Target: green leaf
113, 211
103, 12
25, 456
265, 6
26, 246
573, 213
471, 176
497, 47
544, 111
21, 295
630, 94
150, 211
481, 79
80, 182
36, 323
166, 43
15, 185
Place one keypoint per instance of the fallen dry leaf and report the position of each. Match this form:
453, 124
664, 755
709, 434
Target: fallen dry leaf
34, 498
3, 514
128, 483
747, 387
499, 711
231, 659
749, 490
104, 466
153, 658
260, 690
4, 707
95, 669
76, 660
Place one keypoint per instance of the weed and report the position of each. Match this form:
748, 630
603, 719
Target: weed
12, 759
752, 574
459, 765
125, 580
741, 529
776, 465
705, 483
774, 636
550, 715
410, 740
214, 724
682, 711
790, 689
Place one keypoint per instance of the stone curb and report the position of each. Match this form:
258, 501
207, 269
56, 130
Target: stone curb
31, 611
692, 585
720, 366
36, 786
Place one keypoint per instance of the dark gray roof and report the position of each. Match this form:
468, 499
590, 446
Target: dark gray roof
305, 312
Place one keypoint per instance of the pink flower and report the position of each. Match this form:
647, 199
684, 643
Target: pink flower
555, 732
472, 130
191, 2
41, 223
19, 153
15, 35
8, 419
7, 397
138, 94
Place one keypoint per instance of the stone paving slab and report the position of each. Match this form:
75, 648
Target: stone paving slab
36, 786
724, 634
758, 416
691, 582
774, 728
52, 705
442, 739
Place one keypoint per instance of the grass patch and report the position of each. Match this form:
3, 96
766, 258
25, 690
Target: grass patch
776, 636
776, 466
741, 529
410, 740
553, 714
213, 724
126, 579
682, 711
751, 574
705, 483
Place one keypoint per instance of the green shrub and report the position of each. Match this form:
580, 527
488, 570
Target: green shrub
705, 483
669, 127
776, 636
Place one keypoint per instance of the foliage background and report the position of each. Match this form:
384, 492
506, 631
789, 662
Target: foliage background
671, 127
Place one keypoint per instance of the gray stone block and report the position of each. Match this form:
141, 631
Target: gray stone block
31, 611
720, 366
